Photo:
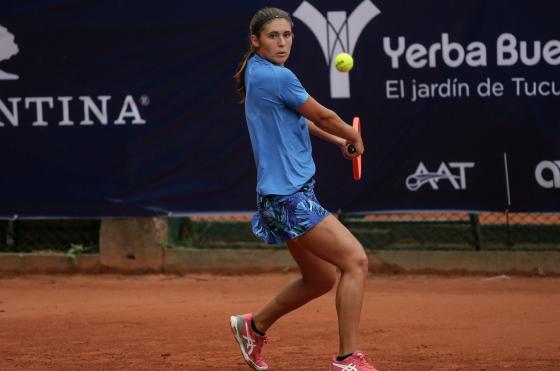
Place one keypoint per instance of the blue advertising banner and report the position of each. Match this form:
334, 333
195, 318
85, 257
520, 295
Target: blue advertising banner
127, 108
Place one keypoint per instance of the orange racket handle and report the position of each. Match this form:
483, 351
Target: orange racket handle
356, 162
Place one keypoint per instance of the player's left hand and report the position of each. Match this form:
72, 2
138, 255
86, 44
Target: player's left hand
344, 149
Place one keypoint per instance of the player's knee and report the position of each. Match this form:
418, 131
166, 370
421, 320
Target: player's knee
363, 263
359, 264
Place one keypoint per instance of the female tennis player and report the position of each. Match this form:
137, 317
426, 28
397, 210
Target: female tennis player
276, 109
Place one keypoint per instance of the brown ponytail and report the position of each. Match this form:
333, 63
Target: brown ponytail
261, 17
240, 73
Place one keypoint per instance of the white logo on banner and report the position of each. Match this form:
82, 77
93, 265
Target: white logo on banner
337, 33
422, 176
91, 108
94, 109
547, 174
8, 48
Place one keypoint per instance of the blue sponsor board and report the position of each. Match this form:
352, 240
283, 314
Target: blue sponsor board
128, 109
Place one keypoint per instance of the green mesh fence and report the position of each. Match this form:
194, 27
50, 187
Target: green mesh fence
49, 235
425, 231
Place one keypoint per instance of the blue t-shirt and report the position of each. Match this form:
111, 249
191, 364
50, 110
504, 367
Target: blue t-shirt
279, 134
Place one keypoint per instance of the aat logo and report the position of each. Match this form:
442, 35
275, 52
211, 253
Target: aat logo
422, 175
338, 32
8, 48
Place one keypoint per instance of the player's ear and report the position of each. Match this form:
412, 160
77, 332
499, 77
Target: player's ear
254, 41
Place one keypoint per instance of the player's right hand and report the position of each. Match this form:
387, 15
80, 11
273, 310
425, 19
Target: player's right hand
358, 146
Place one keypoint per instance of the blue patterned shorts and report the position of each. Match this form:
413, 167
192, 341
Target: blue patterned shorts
281, 218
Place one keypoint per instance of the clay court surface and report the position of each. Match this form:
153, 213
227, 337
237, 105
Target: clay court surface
158, 322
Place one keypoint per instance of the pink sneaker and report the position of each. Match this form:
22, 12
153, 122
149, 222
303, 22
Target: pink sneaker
249, 341
356, 362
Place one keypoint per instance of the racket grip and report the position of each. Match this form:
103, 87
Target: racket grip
351, 149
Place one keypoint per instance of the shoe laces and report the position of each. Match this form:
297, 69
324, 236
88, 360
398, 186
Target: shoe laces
261, 340
363, 360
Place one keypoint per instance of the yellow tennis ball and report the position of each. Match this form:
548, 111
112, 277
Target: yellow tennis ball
344, 62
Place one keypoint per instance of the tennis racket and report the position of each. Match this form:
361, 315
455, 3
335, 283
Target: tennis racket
356, 162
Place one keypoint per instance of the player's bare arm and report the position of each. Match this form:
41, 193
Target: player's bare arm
328, 121
337, 141
322, 134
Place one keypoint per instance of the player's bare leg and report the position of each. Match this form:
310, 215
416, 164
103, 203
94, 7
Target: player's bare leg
317, 252
331, 241
317, 278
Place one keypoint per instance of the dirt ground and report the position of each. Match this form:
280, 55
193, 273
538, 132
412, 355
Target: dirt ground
160, 322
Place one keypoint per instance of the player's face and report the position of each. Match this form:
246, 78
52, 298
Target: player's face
275, 41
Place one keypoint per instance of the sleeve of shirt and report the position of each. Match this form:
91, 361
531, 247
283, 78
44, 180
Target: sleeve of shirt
291, 92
